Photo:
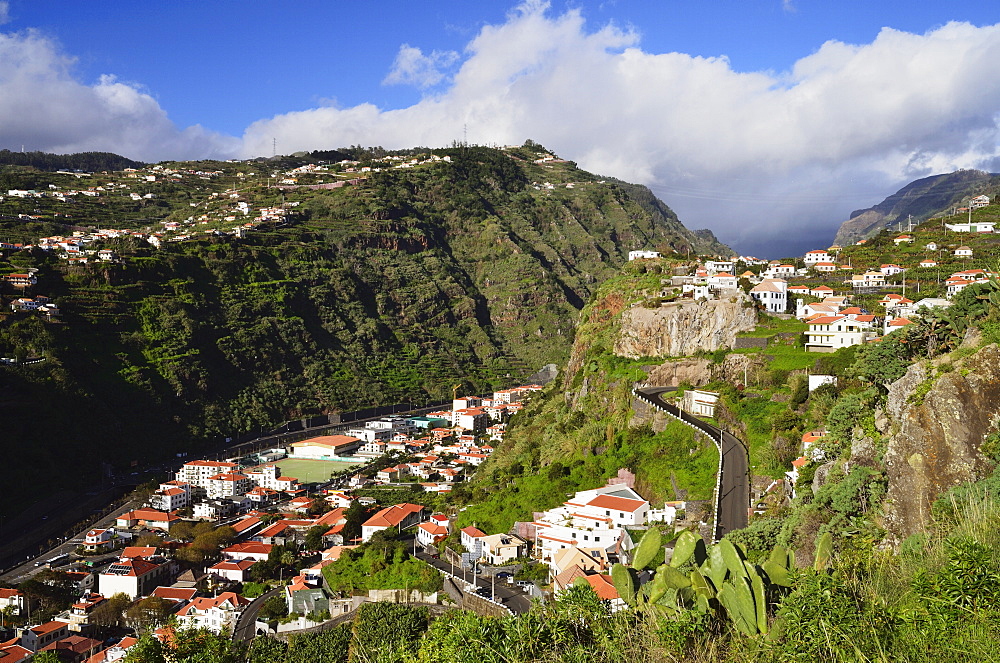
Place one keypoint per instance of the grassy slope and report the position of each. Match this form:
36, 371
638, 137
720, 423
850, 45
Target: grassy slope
565, 442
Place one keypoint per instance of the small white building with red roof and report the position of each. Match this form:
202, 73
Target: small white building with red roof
253, 550
397, 516
591, 519
235, 570
218, 614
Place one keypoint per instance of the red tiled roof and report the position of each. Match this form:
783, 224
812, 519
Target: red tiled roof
616, 503
210, 463
473, 531
47, 627
826, 320
130, 552
175, 593
234, 565
249, 547
332, 441
602, 586
392, 516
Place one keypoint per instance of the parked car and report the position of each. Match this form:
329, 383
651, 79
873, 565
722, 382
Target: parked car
504, 576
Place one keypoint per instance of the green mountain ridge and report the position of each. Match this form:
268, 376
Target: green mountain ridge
396, 288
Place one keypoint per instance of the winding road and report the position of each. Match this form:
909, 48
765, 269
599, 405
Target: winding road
246, 629
732, 490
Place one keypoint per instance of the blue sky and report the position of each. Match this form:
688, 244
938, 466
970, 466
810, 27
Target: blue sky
748, 117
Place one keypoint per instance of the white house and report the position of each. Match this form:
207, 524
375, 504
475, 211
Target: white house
640, 255
718, 266
471, 538
816, 381
825, 267
817, 256
503, 548
37, 637
892, 324
172, 495
723, 281
228, 484
963, 252
772, 294
397, 516
868, 280
775, 270
830, 333
12, 600
928, 263
98, 539
700, 403
805, 311
269, 476
889, 270
236, 570
252, 550
432, 531
979, 201
974, 227
218, 614
590, 519
471, 418
956, 285
135, 577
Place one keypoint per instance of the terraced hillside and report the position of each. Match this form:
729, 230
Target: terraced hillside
400, 286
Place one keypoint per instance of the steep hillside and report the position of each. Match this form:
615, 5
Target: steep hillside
583, 429
920, 200
395, 288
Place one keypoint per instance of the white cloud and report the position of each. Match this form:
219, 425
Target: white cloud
412, 67
4, 12
43, 107
747, 154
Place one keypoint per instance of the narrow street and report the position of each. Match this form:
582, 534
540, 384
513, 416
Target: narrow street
510, 596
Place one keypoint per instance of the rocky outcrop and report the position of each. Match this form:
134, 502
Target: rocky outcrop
934, 441
679, 329
672, 373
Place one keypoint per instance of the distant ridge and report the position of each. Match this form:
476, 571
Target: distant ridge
920, 199
87, 161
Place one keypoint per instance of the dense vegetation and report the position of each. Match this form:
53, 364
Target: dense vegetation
88, 161
469, 272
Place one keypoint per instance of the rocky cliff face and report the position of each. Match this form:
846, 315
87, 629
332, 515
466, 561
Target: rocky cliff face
920, 200
933, 442
680, 329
